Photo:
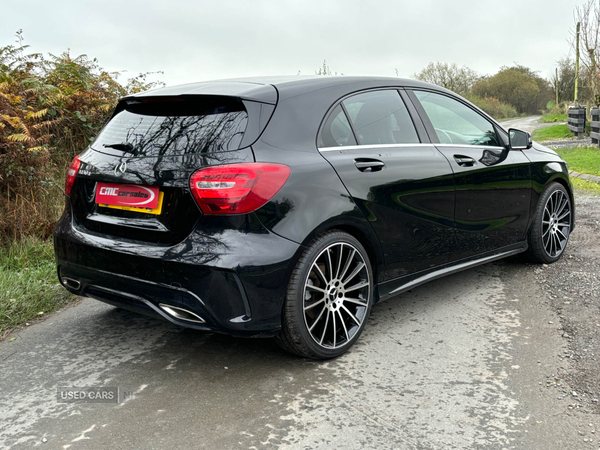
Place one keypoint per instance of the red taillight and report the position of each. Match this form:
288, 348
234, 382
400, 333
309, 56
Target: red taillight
237, 188
71, 174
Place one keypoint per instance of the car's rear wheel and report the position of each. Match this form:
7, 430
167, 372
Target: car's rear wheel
551, 227
329, 297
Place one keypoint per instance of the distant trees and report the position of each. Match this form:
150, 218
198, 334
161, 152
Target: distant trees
509, 86
449, 76
518, 86
511, 91
325, 70
523, 88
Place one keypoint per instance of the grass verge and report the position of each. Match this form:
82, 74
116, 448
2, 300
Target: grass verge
29, 286
582, 159
549, 118
552, 132
586, 185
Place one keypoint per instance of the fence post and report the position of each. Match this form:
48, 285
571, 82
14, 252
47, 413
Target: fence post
576, 122
595, 126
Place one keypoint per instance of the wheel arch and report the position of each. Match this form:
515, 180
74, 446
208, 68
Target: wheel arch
540, 251
565, 182
375, 259
368, 240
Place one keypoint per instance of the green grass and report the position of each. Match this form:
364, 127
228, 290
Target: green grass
549, 118
585, 185
552, 132
582, 159
29, 286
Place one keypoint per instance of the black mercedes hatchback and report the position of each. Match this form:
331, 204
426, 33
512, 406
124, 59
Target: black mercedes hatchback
287, 207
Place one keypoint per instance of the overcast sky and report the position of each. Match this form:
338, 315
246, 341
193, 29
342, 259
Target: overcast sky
199, 40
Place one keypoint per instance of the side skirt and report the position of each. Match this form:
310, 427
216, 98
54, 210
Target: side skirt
397, 286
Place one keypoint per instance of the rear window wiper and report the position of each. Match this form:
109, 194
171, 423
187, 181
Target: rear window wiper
123, 146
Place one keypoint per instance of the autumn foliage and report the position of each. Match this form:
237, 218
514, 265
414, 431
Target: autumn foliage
51, 107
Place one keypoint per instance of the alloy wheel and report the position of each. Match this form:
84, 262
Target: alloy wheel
556, 223
336, 295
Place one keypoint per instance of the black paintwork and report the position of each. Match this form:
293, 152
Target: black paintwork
422, 216
409, 203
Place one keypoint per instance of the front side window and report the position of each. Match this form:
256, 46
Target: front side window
456, 123
380, 117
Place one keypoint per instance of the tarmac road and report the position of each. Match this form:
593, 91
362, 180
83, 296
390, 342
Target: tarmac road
528, 124
470, 361
525, 123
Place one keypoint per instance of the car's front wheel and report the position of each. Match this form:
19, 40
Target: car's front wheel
551, 225
329, 297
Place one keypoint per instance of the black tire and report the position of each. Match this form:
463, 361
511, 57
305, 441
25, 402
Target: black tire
551, 226
314, 298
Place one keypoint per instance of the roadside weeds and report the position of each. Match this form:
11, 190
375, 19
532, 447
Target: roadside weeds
29, 287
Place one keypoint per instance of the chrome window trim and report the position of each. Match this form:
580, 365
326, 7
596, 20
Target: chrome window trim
471, 146
420, 144
352, 147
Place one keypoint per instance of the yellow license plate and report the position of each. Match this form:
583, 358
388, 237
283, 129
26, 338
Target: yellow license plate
155, 211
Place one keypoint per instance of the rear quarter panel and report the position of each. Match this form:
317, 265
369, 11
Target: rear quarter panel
312, 201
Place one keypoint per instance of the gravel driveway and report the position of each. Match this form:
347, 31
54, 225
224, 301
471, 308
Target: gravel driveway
528, 124
572, 288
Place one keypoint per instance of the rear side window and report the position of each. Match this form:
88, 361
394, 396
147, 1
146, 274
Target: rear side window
380, 117
168, 128
456, 123
336, 130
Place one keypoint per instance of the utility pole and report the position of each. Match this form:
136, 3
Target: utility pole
577, 60
556, 86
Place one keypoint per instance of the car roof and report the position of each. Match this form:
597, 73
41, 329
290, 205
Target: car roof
267, 89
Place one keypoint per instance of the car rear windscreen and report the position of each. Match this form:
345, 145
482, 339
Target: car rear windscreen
172, 127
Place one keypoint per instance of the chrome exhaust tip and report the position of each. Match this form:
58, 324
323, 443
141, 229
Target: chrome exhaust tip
181, 314
70, 283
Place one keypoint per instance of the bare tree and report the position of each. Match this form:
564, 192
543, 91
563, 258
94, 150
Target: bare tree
450, 76
324, 70
588, 15
564, 80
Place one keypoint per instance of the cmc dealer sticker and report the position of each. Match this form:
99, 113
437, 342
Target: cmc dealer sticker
127, 195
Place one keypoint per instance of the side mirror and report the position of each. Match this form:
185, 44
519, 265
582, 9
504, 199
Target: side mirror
519, 139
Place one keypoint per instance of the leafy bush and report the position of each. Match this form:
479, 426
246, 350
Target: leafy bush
519, 86
50, 109
493, 107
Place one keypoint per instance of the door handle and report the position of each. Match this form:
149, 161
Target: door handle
368, 165
464, 161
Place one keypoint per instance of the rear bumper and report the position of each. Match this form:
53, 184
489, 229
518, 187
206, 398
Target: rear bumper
227, 279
